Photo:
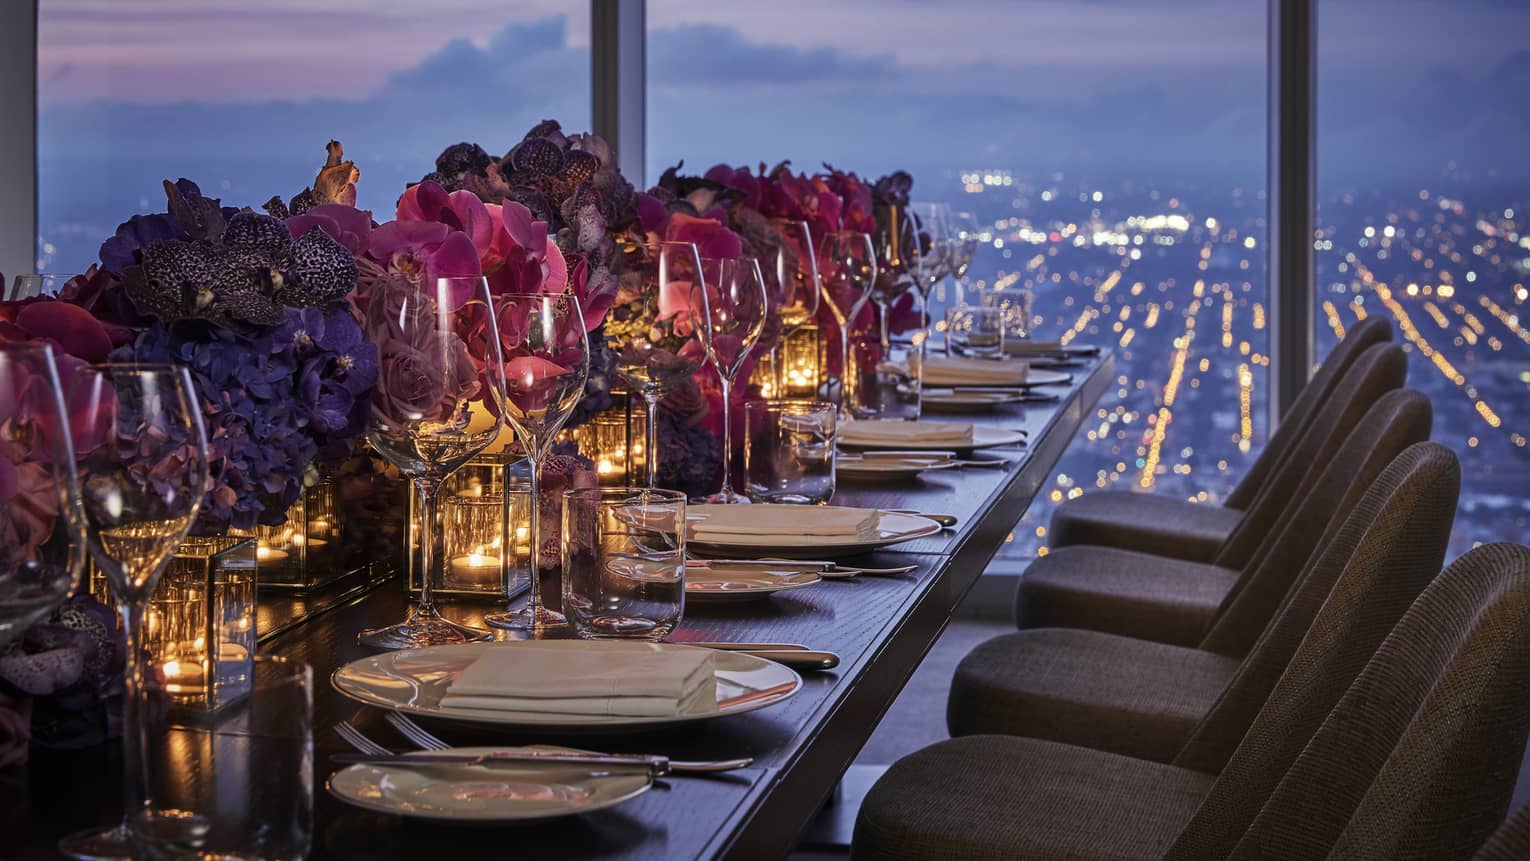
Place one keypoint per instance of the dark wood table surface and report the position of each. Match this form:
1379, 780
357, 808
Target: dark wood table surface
881, 627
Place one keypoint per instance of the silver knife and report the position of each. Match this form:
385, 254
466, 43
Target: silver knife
656, 765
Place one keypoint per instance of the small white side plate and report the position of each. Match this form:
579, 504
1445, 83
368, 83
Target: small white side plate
499, 793
741, 584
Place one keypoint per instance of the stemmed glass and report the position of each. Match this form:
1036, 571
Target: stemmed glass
28, 286
656, 354
42, 546
795, 271
142, 474
848, 268
728, 307
547, 360
897, 245
436, 360
963, 238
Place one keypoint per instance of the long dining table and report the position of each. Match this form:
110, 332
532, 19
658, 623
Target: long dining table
880, 626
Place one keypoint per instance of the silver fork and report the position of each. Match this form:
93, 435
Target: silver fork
426, 740
355, 738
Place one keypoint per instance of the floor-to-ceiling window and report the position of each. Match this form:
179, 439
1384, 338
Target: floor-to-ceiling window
1113, 152
1424, 218
242, 98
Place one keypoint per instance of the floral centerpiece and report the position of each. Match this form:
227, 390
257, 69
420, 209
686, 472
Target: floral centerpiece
255, 307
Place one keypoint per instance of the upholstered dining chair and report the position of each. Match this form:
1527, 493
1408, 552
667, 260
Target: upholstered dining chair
1191, 706
1325, 771
1511, 842
1176, 601
1155, 523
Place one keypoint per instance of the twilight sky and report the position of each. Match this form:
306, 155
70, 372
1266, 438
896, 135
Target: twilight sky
243, 95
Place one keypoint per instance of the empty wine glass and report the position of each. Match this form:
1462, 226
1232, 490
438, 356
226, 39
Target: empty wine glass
964, 239
42, 546
28, 286
848, 268
729, 308
897, 246
142, 474
436, 356
791, 278
547, 360
653, 355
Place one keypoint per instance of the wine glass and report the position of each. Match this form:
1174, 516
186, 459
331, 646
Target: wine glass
28, 286
792, 277
848, 268
963, 237
897, 246
652, 353
728, 307
142, 474
41, 524
547, 360
436, 358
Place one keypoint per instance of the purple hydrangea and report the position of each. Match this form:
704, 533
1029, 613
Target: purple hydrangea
275, 399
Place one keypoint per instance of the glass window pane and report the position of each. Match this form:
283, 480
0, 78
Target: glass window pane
242, 98
1114, 154
1424, 202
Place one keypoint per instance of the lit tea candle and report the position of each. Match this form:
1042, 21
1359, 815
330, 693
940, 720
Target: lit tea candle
264, 553
475, 564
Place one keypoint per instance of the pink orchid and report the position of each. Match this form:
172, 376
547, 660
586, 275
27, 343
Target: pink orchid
739, 179
461, 210
711, 237
423, 251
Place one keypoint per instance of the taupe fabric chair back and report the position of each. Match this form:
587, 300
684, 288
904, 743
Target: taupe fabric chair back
1371, 330
1343, 637
1378, 370
1443, 709
1511, 842
1328, 592
1397, 420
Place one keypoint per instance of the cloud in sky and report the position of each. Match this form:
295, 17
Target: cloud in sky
718, 92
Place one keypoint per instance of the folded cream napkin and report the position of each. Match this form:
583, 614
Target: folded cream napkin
960, 371
722, 521
894, 432
631, 679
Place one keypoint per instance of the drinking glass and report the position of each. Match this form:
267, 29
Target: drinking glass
963, 238
235, 784
437, 358
975, 331
1014, 303
547, 360
789, 451
729, 309
795, 276
142, 474
623, 561
897, 246
42, 546
848, 269
656, 347
28, 286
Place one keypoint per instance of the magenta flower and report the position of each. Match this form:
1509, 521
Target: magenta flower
423, 251
347, 225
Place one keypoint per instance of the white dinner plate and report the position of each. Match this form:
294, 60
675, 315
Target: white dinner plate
414, 680
741, 584
505, 792
892, 528
966, 400
1040, 348
890, 468
982, 437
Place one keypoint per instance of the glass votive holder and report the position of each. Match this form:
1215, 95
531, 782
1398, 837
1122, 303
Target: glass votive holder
975, 331
238, 784
1014, 303
789, 451
623, 562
